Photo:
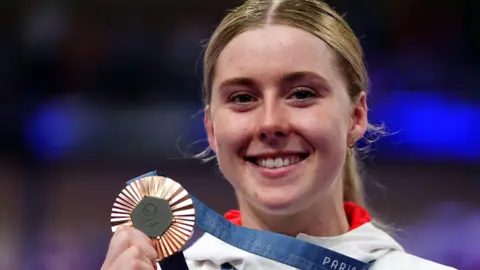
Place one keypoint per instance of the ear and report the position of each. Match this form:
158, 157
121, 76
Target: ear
359, 118
207, 120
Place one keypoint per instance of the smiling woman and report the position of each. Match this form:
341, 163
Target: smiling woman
275, 100
285, 102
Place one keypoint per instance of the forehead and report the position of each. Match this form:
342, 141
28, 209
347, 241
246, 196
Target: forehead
272, 51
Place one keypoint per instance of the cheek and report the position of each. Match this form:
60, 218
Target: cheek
324, 130
232, 131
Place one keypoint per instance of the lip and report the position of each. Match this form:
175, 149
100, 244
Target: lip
275, 173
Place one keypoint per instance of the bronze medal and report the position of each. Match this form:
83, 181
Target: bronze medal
159, 207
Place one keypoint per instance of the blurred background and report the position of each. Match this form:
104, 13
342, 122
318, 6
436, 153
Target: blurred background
94, 93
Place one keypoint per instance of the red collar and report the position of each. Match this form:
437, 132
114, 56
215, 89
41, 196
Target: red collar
356, 215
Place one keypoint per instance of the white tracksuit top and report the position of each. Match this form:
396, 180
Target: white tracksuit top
365, 243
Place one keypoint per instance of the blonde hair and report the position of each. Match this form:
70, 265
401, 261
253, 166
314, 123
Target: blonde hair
314, 17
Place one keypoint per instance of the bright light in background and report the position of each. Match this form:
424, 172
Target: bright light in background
430, 124
56, 127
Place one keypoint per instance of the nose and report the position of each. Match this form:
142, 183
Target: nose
274, 124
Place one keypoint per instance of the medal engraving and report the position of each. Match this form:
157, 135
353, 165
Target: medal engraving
152, 216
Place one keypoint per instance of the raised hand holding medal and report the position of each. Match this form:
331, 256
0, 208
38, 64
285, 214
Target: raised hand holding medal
158, 208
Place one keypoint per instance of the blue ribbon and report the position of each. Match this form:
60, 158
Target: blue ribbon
278, 247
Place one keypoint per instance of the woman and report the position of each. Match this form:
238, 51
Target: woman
285, 93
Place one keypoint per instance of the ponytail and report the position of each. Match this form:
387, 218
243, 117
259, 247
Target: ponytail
353, 190
352, 182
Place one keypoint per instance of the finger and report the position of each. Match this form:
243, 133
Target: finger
127, 237
132, 259
119, 243
145, 243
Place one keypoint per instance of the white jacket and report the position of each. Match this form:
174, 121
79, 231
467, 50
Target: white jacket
365, 243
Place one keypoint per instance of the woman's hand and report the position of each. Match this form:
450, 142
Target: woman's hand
130, 249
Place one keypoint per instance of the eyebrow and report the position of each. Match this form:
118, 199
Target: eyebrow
304, 75
289, 78
239, 81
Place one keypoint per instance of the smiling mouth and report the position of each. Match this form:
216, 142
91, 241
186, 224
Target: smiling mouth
277, 162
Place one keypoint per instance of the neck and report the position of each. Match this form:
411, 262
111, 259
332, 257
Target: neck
324, 218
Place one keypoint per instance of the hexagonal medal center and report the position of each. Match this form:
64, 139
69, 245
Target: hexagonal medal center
152, 216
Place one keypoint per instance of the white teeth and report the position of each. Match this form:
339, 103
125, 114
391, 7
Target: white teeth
278, 162
270, 163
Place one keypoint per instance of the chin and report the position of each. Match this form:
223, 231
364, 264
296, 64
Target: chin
278, 202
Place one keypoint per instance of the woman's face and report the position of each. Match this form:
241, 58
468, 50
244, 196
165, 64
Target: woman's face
280, 118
